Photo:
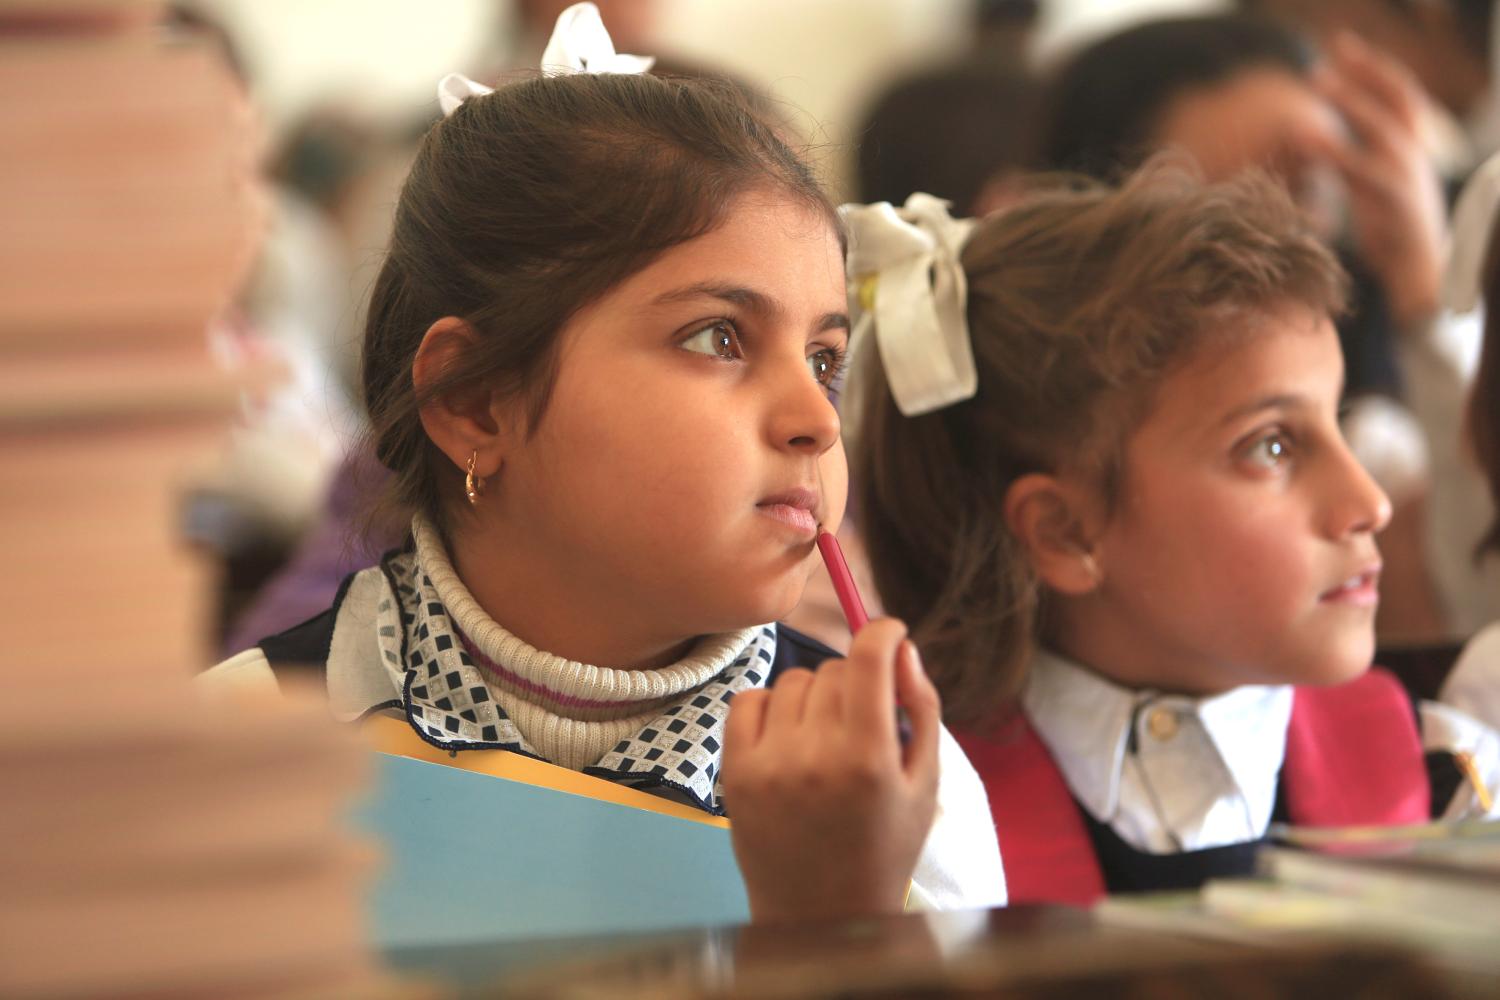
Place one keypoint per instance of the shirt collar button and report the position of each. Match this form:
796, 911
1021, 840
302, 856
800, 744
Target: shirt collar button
1161, 723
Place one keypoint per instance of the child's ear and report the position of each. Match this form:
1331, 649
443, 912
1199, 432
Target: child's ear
468, 422
1053, 520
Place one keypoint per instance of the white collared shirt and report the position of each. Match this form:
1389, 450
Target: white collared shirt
1201, 772
1167, 773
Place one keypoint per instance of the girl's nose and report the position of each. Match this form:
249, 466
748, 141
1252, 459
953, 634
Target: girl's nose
804, 418
1360, 505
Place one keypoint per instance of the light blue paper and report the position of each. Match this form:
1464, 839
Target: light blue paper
472, 857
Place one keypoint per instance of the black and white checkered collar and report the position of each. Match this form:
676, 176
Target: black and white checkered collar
449, 703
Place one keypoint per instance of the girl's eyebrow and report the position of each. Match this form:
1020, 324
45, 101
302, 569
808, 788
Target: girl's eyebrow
832, 321
1280, 401
1275, 401
748, 299
739, 295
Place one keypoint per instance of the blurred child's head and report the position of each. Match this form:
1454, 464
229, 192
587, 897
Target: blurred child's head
961, 133
1151, 477
1231, 91
623, 294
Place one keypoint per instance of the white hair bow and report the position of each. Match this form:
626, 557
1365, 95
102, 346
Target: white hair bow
1473, 219
906, 282
579, 44
455, 88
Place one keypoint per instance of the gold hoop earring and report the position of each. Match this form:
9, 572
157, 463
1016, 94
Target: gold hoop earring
473, 485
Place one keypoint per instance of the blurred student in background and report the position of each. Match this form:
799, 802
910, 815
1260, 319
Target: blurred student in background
1342, 133
1447, 45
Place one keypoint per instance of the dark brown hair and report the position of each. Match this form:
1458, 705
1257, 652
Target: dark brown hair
947, 132
527, 204
1102, 108
1080, 300
1483, 417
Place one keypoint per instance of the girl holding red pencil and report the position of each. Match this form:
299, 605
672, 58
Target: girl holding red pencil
598, 362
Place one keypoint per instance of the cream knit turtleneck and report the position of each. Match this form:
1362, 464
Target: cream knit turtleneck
571, 713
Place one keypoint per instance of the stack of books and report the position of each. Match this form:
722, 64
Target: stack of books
154, 843
1435, 886
1433, 889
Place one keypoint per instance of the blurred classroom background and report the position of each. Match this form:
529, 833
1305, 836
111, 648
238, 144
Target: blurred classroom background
198, 384
826, 58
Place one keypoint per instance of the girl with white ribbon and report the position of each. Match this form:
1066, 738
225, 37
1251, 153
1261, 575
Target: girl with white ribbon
598, 362
1108, 489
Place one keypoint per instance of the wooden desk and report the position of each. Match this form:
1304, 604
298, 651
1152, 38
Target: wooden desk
1029, 952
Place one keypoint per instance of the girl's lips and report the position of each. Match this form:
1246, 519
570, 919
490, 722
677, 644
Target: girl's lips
796, 508
799, 518
1360, 590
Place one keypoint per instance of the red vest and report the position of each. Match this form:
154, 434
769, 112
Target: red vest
1353, 757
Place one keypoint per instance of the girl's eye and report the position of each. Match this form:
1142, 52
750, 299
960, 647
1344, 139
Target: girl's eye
718, 338
826, 366
1269, 451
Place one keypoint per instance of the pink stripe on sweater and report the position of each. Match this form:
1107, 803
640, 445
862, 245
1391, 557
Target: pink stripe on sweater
531, 687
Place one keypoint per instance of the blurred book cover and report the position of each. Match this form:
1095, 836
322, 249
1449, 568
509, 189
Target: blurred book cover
494, 846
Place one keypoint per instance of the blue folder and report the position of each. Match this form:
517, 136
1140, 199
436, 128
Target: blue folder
473, 857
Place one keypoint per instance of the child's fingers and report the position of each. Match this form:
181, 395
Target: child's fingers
746, 722
1376, 126
788, 702
925, 709
870, 685
1364, 174
825, 700
1380, 76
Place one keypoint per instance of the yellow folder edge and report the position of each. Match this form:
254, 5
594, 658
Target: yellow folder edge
395, 736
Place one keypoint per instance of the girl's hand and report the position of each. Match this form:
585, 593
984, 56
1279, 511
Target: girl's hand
1395, 197
829, 810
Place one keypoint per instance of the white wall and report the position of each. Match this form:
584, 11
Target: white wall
824, 56
824, 59
385, 56
1069, 23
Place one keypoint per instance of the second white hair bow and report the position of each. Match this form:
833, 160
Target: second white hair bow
579, 44
906, 285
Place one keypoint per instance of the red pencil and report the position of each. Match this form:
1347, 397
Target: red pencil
843, 581
854, 608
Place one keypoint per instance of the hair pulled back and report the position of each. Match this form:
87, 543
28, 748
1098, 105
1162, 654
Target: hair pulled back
1081, 300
